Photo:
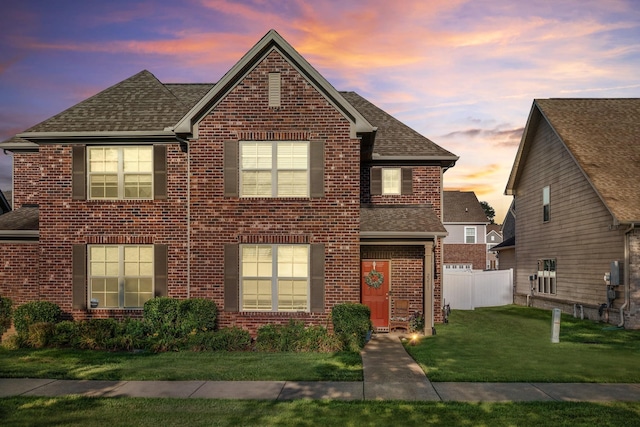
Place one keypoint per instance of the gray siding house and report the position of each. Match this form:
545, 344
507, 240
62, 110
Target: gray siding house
575, 183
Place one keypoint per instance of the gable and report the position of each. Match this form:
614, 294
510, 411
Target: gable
602, 136
271, 42
462, 207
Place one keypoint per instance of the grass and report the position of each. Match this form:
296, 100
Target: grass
85, 411
214, 366
513, 344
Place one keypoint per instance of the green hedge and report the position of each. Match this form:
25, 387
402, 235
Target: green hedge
35, 312
6, 311
351, 322
295, 337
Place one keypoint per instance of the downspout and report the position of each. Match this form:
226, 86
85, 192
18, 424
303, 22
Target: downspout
184, 144
627, 279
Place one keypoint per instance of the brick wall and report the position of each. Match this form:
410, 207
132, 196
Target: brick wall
26, 178
333, 220
461, 253
19, 272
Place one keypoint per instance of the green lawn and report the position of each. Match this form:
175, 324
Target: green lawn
234, 366
83, 411
513, 344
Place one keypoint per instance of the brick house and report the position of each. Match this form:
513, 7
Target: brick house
269, 192
466, 223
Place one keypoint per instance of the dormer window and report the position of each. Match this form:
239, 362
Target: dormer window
274, 90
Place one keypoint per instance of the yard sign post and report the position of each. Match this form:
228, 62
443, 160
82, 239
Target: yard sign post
555, 326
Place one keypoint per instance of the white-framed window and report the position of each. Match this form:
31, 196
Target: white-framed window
274, 277
391, 180
546, 204
470, 235
547, 276
274, 169
120, 276
124, 172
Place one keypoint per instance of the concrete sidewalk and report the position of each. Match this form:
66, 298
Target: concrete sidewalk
389, 374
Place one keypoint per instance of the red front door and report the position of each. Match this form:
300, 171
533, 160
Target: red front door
374, 283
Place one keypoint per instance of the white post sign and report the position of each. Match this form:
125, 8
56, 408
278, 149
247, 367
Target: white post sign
555, 325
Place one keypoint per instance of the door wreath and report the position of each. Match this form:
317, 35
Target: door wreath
374, 279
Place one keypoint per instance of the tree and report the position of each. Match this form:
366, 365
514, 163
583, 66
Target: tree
488, 211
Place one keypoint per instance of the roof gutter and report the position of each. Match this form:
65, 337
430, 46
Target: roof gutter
23, 236
401, 235
57, 137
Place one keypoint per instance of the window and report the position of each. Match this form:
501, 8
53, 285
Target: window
547, 276
546, 213
274, 169
121, 276
391, 181
470, 235
274, 277
120, 172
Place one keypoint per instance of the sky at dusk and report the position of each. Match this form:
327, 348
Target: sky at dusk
463, 73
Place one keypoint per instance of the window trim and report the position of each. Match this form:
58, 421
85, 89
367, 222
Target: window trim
547, 276
120, 172
274, 279
274, 170
475, 235
121, 276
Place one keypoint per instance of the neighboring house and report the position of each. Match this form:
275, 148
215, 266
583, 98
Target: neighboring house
269, 192
575, 182
506, 250
494, 237
5, 202
466, 222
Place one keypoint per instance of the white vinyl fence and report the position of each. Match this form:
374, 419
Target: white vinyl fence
466, 290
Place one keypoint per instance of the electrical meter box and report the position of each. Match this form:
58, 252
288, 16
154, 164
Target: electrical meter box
617, 273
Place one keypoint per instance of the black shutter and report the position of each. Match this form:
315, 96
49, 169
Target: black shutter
79, 174
316, 178
159, 172
230, 167
231, 277
407, 181
160, 270
376, 181
79, 279
316, 296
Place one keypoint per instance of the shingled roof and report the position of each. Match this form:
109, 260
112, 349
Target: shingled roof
603, 136
394, 138
400, 220
463, 207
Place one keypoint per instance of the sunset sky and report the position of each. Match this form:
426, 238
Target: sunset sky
462, 73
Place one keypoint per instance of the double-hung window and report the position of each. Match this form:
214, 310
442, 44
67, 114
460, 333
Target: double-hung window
124, 172
274, 277
120, 276
274, 169
391, 181
470, 235
547, 276
546, 204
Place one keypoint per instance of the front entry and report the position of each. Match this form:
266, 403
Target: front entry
374, 284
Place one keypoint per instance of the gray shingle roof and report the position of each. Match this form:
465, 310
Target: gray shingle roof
462, 206
604, 137
393, 137
24, 218
418, 219
139, 103
189, 93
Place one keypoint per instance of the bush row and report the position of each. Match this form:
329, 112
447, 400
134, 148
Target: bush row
171, 324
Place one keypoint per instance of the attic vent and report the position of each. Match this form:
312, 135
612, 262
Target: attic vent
274, 89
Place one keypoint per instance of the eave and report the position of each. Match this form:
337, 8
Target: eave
115, 137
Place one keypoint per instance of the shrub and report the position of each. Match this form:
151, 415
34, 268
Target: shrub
162, 315
35, 312
40, 334
351, 322
294, 336
96, 334
65, 333
5, 314
196, 314
416, 322
226, 339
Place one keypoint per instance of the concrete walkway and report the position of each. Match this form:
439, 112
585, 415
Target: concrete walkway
389, 374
